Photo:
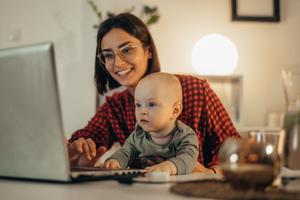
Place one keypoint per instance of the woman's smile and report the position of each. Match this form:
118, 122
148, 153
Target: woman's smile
124, 72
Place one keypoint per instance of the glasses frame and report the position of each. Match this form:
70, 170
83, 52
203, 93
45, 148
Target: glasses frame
118, 53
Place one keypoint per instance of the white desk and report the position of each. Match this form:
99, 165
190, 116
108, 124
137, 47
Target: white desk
101, 190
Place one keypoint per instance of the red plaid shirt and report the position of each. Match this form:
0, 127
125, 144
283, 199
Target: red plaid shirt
202, 110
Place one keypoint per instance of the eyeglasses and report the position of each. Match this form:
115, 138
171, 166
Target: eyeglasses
126, 53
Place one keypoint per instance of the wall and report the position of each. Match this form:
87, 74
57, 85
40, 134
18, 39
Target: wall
264, 48
34, 21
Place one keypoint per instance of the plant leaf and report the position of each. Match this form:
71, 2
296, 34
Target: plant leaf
109, 14
153, 19
95, 9
150, 10
151, 13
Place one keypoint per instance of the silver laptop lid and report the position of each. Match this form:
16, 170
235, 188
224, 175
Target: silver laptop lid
31, 130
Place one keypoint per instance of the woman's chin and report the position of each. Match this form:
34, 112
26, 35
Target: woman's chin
129, 81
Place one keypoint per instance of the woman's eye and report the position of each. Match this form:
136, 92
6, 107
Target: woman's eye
127, 50
108, 56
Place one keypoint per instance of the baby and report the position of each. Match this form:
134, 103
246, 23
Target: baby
158, 133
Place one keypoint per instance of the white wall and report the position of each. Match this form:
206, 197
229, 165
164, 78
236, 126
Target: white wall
60, 21
264, 48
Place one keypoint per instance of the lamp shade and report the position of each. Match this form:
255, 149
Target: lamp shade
214, 54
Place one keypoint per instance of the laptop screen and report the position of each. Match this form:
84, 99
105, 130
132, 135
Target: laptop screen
31, 129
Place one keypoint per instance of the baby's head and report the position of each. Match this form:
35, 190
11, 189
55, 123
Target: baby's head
158, 100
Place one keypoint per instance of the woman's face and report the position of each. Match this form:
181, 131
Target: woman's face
126, 58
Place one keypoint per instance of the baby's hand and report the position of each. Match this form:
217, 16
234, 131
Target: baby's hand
111, 164
166, 166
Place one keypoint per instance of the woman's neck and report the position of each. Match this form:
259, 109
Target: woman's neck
131, 90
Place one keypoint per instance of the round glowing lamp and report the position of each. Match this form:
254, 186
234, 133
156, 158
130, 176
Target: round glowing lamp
214, 54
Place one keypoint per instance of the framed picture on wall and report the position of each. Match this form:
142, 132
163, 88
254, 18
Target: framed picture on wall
256, 10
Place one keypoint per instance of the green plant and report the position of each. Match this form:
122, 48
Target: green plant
149, 14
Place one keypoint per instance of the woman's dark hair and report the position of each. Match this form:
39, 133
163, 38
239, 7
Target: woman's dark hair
133, 26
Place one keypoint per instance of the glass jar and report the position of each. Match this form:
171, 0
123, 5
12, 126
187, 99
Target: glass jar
291, 122
249, 163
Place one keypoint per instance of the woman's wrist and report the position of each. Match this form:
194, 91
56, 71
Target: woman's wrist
213, 170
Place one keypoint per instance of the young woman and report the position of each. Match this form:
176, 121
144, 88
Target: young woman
125, 53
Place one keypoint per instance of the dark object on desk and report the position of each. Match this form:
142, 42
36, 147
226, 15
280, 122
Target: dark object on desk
250, 176
224, 190
121, 175
248, 163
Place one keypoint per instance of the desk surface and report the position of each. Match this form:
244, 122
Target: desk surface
112, 190
20, 190
14, 189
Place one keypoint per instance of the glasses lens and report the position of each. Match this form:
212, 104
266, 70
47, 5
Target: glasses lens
107, 58
126, 53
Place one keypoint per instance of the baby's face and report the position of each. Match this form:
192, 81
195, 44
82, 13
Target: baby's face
154, 110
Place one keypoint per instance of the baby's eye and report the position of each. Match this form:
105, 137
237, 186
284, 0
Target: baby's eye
137, 105
152, 104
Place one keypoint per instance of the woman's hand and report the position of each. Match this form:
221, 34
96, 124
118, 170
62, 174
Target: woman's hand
199, 168
83, 152
166, 166
111, 164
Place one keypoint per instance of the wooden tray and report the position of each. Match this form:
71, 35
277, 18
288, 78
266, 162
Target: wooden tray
223, 190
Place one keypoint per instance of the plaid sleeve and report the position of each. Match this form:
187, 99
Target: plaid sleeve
98, 128
113, 122
219, 125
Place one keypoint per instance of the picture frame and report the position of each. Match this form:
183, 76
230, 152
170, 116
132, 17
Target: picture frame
262, 11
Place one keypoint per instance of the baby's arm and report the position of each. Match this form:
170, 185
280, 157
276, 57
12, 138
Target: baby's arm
166, 166
111, 164
185, 159
187, 152
122, 157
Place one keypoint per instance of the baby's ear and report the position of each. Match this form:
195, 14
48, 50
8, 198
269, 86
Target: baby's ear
177, 109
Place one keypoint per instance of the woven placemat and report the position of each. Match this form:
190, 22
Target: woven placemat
223, 190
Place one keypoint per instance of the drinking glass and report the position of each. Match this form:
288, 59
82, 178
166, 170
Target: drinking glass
291, 122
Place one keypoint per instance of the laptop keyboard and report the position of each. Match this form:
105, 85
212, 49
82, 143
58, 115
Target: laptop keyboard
104, 172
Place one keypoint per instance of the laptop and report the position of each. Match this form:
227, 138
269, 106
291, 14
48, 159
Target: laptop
31, 128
